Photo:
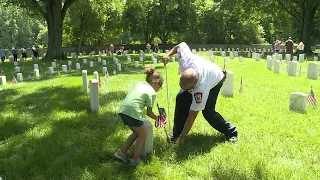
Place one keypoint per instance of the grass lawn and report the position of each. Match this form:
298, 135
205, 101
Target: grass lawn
48, 132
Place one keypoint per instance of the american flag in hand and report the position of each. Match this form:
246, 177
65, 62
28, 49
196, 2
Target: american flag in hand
162, 118
114, 71
14, 80
312, 98
241, 86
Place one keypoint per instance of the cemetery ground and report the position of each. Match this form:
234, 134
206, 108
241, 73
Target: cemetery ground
47, 130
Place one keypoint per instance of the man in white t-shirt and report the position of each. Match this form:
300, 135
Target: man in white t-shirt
200, 83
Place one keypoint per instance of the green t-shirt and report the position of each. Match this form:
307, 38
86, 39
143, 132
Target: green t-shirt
140, 95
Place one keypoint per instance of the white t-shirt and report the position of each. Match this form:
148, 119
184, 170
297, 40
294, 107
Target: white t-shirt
209, 75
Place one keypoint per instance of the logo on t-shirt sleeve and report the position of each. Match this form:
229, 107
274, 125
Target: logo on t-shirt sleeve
198, 97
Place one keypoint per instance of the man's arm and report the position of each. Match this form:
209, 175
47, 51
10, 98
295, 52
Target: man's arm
189, 122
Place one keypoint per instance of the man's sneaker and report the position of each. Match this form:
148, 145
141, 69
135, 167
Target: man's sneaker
233, 139
121, 156
134, 162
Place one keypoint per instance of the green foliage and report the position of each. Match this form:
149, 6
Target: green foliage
19, 30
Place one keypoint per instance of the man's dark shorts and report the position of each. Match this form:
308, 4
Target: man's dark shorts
129, 121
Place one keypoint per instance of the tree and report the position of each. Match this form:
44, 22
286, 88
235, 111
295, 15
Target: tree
54, 12
303, 11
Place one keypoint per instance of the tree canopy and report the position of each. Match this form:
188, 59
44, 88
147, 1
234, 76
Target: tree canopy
99, 22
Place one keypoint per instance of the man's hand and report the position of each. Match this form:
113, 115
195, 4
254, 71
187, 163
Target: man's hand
180, 140
165, 59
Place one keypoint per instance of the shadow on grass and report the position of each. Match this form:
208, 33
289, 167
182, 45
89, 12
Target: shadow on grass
197, 144
68, 148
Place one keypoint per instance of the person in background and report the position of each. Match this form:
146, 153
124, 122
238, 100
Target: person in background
2, 54
23, 53
35, 52
15, 54
277, 46
300, 48
148, 46
111, 49
289, 47
156, 47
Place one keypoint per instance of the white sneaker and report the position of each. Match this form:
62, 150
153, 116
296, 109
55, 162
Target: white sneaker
121, 156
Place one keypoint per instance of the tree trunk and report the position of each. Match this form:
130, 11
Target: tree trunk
54, 22
306, 29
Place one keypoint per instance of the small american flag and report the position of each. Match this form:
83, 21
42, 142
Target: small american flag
311, 98
14, 80
114, 71
99, 83
29, 77
241, 86
300, 69
106, 75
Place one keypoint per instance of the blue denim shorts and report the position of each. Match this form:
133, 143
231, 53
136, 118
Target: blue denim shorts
129, 121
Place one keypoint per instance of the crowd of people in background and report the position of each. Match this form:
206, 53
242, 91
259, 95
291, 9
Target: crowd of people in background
23, 52
289, 47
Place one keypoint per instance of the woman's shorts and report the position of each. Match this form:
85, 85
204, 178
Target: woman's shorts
129, 121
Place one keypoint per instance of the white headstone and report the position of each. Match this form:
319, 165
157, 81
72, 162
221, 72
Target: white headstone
315, 58
64, 68
36, 73
148, 143
269, 64
276, 66
301, 58
94, 95
141, 58
104, 70
85, 61
78, 67
228, 85
313, 70
231, 55
249, 54
35, 66
292, 69
54, 64
154, 60
19, 77
295, 58
119, 67
241, 59
288, 57
104, 62
85, 80
17, 69
96, 75
129, 59
3, 80
136, 63
15, 63
69, 63
298, 101
91, 64
51, 71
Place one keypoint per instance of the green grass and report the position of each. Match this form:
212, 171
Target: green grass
48, 132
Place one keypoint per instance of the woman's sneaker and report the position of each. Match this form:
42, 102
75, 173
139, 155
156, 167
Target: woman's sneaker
134, 162
121, 156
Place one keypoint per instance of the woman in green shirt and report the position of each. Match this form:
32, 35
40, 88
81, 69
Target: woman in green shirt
141, 94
